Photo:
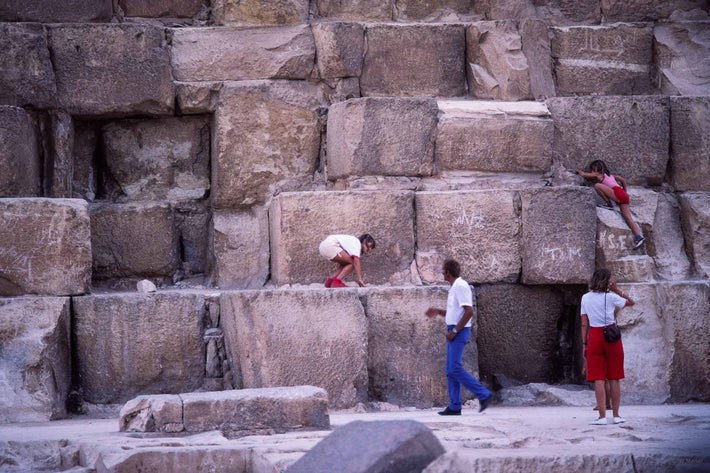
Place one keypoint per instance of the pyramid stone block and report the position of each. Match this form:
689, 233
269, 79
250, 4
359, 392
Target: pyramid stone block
670, 257
35, 360
510, 313
559, 231
210, 54
495, 63
320, 340
26, 74
552, 11
695, 218
643, 10
61, 11
339, 49
136, 239
20, 166
680, 52
260, 12
159, 159
356, 10
381, 136
630, 134
607, 60
169, 8
299, 221
442, 10
475, 136
263, 133
478, 228
414, 61
129, 344
46, 247
406, 351
241, 249
536, 47
112, 69
690, 143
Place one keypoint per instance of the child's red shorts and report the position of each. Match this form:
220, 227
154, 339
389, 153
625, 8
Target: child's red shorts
604, 360
621, 195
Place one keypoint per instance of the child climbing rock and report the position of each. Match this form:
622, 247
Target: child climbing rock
345, 250
607, 186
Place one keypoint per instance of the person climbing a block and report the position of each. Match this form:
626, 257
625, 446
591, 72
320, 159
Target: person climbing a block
345, 251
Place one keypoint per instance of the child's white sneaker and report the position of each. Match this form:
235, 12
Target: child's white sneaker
619, 420
600, 421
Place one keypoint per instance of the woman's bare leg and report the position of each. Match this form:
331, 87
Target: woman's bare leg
615, 396
600, 394
626, 213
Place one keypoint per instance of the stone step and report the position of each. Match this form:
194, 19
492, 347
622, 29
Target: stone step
236, 413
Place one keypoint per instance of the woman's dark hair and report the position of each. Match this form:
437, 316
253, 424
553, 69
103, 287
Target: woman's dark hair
368, 240
452, 267
600, 280
599, 166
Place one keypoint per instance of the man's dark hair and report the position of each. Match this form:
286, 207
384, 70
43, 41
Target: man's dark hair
368, 240
600, 280
453, 267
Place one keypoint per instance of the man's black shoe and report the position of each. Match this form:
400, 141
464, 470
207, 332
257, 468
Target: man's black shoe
450, 412
484, 403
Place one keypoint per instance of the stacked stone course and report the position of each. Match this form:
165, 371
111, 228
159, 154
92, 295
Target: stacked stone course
210, 146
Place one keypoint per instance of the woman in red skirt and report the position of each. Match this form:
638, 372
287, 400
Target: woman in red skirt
603, 360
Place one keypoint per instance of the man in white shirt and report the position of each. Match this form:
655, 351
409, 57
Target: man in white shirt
345, 250
458, 314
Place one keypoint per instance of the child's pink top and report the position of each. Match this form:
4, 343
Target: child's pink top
609, 181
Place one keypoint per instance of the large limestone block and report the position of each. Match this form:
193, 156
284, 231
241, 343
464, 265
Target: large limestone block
260, 12
292, 338
358, 10
286, 52
559, 231
606, 60
56, 11
393, 446
648, 347
130, 343
645, 10
299, 221
163, 159
152, 413
690, 143
537, 50
381, 136
630, 134
496, 65
407, 352
133, 240
671, 258
680, 54
517, 333
112, 69
197, 97
253, 411
169, 8
263, 133
35, 366
553, 11
414, 60
46, 247
339, 49
192, 221
441, 10
480, 229
494, 136
20, 167
59, 158
686, 305
240, 242
695, 218
26, 74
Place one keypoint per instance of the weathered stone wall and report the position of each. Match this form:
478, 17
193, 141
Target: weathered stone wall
215, 144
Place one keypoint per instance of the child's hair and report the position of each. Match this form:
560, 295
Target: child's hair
600, 280
368, 240
599, 166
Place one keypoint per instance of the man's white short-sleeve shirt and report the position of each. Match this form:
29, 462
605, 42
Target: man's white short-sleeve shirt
350, 244
593, 307
460, 295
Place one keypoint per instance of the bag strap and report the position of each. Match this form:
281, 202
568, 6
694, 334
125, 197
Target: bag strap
605, 324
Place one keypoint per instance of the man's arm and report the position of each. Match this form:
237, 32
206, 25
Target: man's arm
467, 315
356, 264
585, 338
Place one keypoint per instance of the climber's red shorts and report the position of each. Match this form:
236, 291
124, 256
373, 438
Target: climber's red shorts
621, 195
604, 360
